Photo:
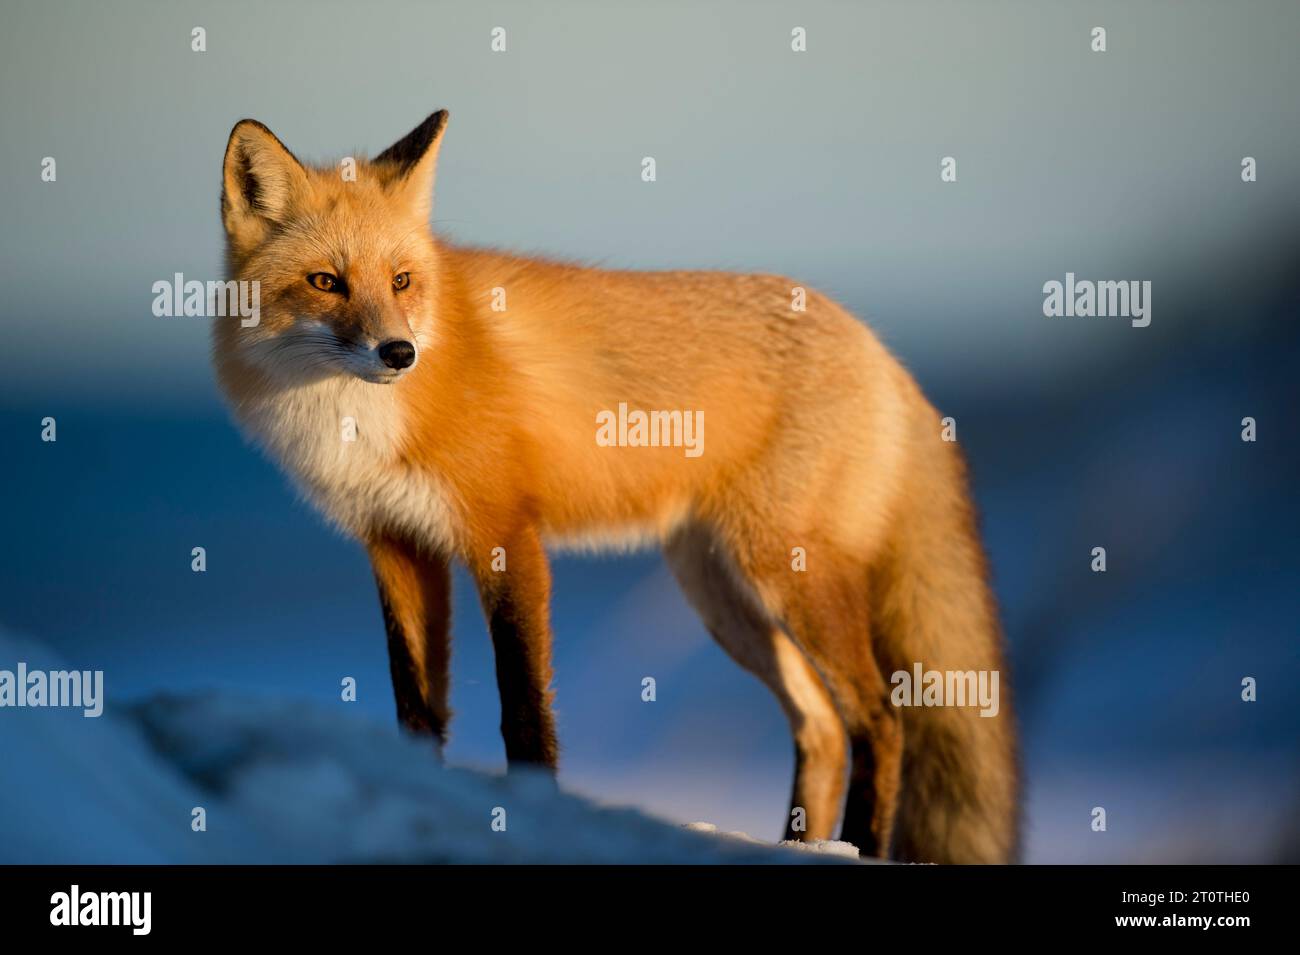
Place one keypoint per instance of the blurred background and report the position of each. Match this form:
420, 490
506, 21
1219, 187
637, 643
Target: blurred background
823, 165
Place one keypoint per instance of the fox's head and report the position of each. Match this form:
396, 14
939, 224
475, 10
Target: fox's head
344, 256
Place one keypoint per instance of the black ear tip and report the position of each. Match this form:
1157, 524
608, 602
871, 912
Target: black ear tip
438, 121
411, 148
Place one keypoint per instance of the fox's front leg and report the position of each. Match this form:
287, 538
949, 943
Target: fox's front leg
514, 582
415, 595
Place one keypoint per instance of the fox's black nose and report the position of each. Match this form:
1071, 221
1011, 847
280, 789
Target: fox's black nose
398, 354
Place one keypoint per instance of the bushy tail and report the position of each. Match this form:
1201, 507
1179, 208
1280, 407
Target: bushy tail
959, 797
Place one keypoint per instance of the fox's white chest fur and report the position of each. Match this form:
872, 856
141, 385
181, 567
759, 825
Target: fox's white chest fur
339, 440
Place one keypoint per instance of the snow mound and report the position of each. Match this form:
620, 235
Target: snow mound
288, 782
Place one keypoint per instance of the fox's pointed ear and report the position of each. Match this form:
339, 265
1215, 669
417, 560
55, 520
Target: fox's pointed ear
411, 162
259, 181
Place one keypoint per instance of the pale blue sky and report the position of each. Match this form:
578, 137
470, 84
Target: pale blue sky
822, 165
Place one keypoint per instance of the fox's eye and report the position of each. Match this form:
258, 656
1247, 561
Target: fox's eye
401, 280
324, 281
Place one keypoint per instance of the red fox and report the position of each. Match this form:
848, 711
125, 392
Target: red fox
441, 403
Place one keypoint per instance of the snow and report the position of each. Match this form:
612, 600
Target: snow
832, 847
283, 781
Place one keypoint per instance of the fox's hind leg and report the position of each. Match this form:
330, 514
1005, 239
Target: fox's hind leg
825, 608
415, 596
737, 621
828, 618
